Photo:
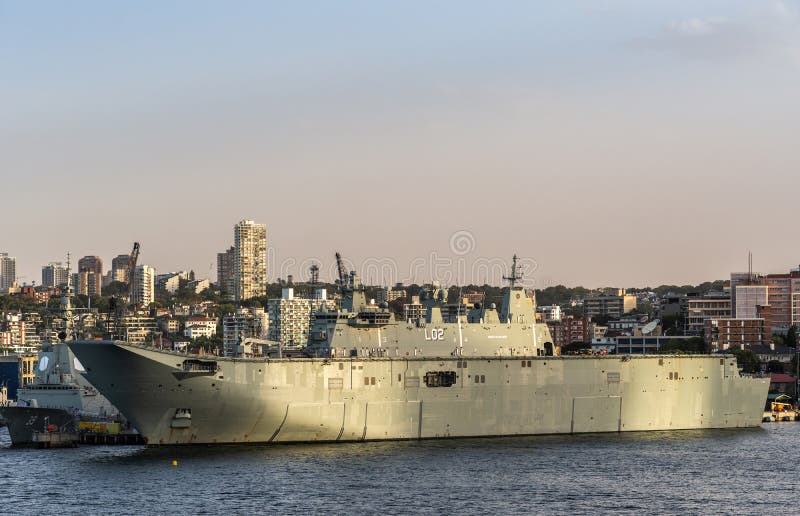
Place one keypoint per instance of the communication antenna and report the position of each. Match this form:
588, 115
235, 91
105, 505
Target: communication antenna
515, 276
342, 271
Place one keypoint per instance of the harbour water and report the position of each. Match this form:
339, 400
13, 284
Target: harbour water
708, 471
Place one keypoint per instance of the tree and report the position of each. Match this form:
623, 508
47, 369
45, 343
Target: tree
747, 360
791, 336
574, 347
775, 366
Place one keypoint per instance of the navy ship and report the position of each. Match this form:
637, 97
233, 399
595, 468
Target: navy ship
59, 395
449, 373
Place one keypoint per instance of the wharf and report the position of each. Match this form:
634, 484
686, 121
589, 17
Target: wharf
100, 438
55, 439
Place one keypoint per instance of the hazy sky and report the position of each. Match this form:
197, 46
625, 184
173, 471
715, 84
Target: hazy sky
610, 142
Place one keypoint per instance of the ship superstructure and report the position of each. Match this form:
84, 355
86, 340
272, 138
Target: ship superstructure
455, 372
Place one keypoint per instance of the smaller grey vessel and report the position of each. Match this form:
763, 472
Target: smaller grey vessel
59, 396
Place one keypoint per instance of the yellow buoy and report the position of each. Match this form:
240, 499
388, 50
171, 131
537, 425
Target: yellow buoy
174, 462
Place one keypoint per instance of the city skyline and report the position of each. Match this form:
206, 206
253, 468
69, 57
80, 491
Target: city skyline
611, 143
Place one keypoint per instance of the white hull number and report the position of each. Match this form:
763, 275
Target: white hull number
435, 334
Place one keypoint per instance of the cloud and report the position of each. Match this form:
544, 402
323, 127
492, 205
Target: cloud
703, 38
771, 30
697, 26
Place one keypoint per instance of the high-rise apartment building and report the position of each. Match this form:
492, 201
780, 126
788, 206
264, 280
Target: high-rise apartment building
8, 272
119, 268
91, 264
90, 276
290, 317
54, 274
225, 280
250, 260
144, 285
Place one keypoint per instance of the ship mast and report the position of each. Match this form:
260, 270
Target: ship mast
515, 276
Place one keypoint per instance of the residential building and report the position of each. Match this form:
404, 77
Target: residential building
54, 274
225, 276
8, 272
87, 283
144, 285
414, 310
550, 313
710, 306
200, 327
169, 324
244, 323
119, 268
387, 295
290, 317
198, 286
137, 329
171, 281
613, 305
779, 299
91, 264
569, 329
726, 333
250, 260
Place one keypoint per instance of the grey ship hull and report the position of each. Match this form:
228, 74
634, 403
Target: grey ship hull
22, 422
361, 398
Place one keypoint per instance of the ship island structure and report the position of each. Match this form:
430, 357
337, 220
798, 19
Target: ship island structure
473, 372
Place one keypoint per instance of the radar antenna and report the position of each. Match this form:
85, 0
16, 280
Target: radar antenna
341, 270
515, 276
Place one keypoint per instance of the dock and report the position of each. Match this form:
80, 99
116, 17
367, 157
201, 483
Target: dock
55, 439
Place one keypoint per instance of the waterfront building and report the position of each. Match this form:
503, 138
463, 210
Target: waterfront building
144, 289
8, 273
54, 274
250, 260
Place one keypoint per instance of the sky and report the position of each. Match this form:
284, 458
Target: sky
605, 142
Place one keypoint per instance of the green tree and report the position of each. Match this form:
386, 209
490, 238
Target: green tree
791, 336
775, 366
747, 360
